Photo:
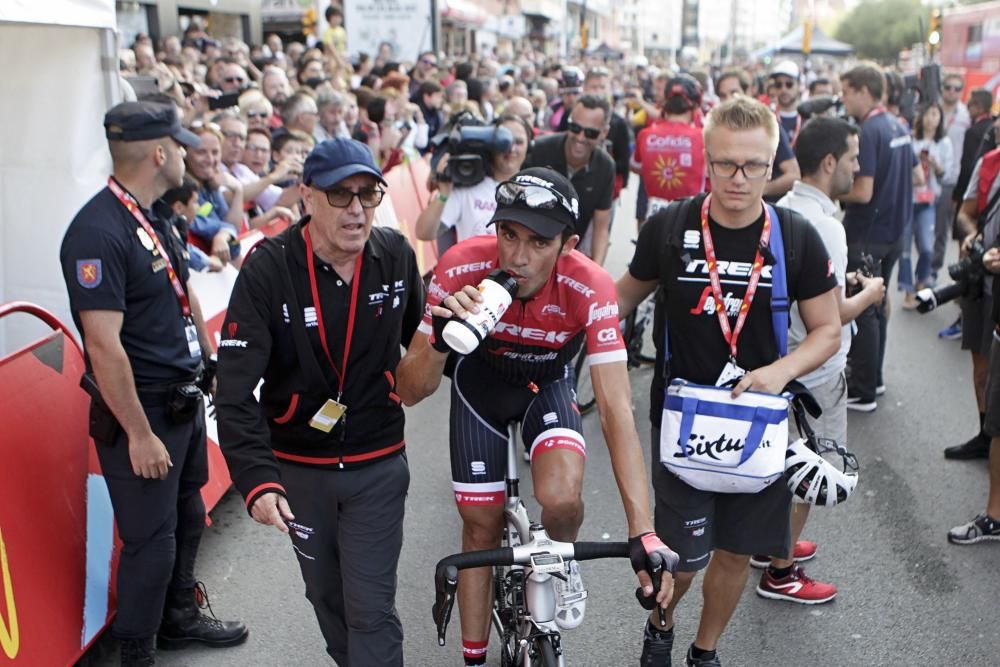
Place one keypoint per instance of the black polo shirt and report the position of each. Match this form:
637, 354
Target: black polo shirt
110, 263
594, 184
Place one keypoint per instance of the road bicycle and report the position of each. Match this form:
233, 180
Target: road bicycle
524, 595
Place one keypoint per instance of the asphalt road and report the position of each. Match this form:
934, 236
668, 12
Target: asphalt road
907, 597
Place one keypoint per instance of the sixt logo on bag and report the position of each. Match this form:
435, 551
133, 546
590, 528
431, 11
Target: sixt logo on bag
722, 445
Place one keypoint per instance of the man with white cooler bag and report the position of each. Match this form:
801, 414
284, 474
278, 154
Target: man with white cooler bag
728, 266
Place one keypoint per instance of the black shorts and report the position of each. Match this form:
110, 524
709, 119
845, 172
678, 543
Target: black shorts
977, 325
992, 423
694, 523
483, 405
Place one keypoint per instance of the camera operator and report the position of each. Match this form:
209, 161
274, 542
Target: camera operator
469, 207
984, 186
978, 221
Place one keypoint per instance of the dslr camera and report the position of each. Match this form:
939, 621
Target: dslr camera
470, 146
968, 274
866, 268
829, 105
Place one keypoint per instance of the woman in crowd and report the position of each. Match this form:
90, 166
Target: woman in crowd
468, 209
933, 147
256, 110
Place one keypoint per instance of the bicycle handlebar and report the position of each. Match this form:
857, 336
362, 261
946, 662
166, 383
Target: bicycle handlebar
446, 572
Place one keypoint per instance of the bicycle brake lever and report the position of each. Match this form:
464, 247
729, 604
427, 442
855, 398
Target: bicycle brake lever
649, 603
441, 610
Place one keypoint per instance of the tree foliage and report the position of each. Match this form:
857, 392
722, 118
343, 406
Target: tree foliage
880, 29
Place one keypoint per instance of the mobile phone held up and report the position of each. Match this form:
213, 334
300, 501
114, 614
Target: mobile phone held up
223, 101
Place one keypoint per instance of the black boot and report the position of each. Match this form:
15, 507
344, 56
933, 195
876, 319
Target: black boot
138, 653
977, 447
183, 623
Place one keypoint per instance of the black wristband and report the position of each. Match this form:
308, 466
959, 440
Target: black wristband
438, 323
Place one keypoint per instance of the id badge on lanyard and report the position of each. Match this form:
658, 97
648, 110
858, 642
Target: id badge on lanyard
191, 332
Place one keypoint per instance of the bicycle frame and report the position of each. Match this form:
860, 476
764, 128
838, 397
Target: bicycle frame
536, 616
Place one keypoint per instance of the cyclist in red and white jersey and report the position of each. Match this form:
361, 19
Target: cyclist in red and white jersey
669, 153
521, 372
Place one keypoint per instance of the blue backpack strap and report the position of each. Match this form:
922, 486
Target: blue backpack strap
779, 284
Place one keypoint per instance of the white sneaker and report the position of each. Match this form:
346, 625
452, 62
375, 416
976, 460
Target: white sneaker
571, 598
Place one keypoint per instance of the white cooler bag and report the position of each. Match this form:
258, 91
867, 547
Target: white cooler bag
717, 443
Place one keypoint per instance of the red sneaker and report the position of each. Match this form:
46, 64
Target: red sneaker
796, 587
804, 550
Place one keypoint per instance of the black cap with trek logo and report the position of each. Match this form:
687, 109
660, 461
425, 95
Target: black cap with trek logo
539, 198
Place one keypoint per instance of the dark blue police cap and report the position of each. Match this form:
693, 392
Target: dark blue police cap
139, 121
334, 160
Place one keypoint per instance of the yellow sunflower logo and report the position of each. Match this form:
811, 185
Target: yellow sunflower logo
668, 173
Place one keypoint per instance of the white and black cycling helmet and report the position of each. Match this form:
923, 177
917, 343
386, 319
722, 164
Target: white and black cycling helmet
814, 480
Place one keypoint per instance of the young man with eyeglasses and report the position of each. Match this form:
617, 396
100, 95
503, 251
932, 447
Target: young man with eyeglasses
705, 255
521, 372
579, 155
319, 312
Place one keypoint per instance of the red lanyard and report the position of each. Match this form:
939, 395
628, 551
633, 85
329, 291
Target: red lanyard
310, 260
129, 203
874, 112
732, 335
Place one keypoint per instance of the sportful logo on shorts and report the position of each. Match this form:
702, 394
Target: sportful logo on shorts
88, 273
478, 467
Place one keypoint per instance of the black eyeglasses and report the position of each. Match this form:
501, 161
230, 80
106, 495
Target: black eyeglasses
235, 79
535, 195
589, 132
342, 197
954, 89
783, 83
728, 168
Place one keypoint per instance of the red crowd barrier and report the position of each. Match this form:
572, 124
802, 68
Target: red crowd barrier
57, 542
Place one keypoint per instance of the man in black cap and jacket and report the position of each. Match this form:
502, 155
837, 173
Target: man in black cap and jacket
126, 270
319, 312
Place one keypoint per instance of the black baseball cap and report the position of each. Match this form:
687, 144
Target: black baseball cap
548, 221
139, 121
334, 160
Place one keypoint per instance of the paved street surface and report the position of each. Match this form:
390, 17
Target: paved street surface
907, 597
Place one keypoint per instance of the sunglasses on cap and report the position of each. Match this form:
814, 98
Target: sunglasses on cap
589, 132
533, 196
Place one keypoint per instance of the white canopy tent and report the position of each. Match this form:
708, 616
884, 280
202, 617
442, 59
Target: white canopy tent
60, 76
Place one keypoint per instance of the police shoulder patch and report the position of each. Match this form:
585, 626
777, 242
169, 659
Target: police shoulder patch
88, 273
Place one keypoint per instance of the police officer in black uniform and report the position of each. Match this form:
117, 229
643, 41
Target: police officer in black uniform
319, 312
126, 271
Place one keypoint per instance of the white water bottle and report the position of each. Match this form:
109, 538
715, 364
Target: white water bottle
498, 290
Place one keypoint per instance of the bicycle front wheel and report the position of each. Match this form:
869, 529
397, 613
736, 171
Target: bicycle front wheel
545, 653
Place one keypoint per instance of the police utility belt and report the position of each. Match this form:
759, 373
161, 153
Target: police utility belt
181, 401
708, 439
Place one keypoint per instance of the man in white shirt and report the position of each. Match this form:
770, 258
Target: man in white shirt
827, 152
956, 121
